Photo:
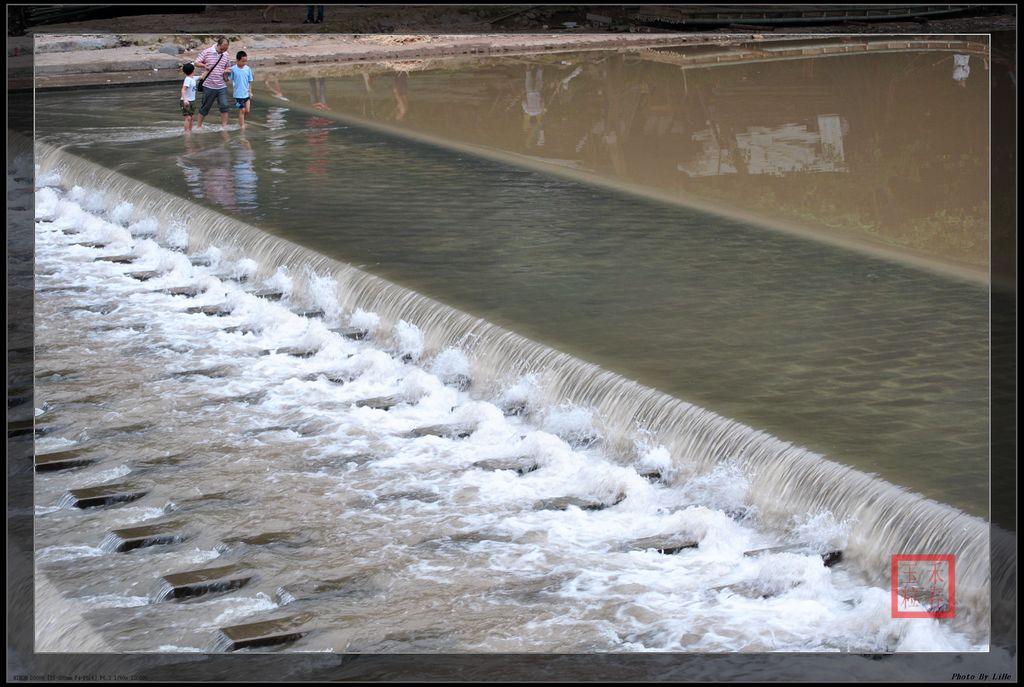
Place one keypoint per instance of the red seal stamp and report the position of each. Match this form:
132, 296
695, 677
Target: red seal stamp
923, 586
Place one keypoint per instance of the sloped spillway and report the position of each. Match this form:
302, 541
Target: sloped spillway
372, 526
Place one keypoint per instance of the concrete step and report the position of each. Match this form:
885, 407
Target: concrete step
443, 431
104, 495
567, 502
119, 259
264, 633
145, 276
88, 244
212, 310
521, 465
666, 544
348, 586
269, 294
131, 538
62, 460
380, 402
187, 291
350, 332
206, 581
200, 261
829, 558
294, 351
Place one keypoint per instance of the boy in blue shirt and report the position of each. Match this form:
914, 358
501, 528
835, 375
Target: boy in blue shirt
241, 79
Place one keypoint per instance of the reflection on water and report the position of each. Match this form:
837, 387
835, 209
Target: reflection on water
883, 147
872, 363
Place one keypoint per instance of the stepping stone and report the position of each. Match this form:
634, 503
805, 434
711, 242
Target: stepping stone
264, 633
309, 313
829, 558
188, 291
89, 244
145, 276
105, 495
212, 310
131, 538
294, 351
521, 465
62, 460
566, 502
269, 294
71, 232
200, 261
119, 259
667, 545
380, 403
350, 332
443, 431
199, 582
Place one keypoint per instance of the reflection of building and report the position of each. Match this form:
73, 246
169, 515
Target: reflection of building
771, 150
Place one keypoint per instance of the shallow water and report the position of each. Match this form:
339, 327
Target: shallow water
876, 365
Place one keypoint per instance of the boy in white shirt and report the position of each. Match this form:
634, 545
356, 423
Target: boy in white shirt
188, 95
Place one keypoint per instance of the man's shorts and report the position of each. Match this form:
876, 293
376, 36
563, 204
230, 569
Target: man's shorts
188, 109
240, 103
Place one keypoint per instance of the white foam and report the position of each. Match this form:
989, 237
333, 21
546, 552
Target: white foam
410, 340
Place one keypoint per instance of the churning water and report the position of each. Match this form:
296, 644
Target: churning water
246, 436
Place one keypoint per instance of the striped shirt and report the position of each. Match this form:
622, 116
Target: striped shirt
210, 57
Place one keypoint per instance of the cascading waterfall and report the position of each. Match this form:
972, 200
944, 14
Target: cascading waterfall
786, 480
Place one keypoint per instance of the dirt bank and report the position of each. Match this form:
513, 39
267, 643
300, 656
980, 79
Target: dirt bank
63, 60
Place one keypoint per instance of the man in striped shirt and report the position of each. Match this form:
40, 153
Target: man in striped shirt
216, 61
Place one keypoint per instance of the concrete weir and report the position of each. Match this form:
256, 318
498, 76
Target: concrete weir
131, 538
206, 581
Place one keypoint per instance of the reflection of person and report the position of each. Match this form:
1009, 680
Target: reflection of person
241, 79
318, 93
216, 166
188, 94
245, 175
319, 128
216, 62
275, 88
961, 69
319, 14
401, 89
533, 108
